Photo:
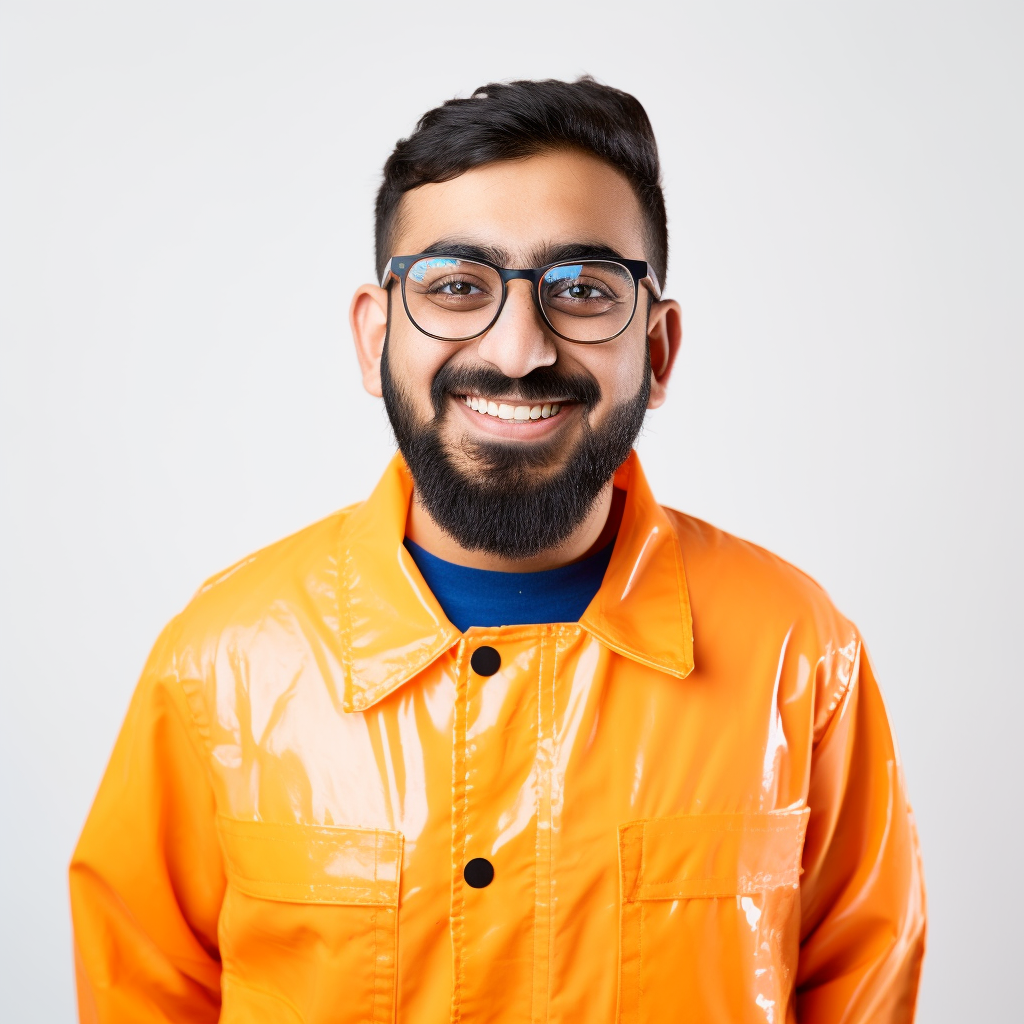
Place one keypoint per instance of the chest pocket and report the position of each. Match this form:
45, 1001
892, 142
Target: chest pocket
709, 917
309, 927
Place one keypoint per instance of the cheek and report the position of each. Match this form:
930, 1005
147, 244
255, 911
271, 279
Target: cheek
414, 362
618, 369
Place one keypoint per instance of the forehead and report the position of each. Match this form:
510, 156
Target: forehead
525, 206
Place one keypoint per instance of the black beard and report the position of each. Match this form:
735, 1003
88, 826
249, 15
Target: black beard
508, 506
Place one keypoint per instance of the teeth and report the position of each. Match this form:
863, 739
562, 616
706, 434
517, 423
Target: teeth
517, 413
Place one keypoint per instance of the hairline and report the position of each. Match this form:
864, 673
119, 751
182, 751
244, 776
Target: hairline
395, 222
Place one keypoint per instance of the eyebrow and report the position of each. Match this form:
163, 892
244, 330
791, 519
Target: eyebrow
501, 257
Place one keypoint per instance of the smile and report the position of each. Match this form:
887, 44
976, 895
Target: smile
504, 411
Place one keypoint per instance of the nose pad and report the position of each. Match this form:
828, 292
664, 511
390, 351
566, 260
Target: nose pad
519, 340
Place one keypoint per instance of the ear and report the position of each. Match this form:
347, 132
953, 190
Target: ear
664, 336
368, 318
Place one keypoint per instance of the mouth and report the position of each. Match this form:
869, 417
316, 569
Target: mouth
510, 412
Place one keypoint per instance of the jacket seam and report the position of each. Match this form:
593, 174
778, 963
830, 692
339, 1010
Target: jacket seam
837, 697
194, 729
459, 811
200, 743
344, 610
536, 839
680, 590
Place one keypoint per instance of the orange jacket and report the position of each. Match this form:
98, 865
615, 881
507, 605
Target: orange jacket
709, 829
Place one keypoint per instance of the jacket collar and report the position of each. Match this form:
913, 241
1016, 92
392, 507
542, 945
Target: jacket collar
391, 626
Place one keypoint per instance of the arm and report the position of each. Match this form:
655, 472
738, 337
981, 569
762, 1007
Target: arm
146, 877
862, 892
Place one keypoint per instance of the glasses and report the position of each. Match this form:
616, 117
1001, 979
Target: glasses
585, 301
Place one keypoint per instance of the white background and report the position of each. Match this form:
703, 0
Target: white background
186, 208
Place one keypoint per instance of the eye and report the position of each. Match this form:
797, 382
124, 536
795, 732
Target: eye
582, 291
455, 288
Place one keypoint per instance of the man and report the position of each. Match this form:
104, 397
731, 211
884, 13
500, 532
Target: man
507, 741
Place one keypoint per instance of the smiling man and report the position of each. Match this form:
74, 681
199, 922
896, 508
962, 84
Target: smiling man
508, 741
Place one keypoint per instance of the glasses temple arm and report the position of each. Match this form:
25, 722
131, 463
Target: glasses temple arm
651, 280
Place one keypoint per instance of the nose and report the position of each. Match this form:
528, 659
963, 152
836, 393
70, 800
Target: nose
518, 342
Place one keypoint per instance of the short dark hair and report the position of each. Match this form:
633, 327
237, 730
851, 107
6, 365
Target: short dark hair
510, 120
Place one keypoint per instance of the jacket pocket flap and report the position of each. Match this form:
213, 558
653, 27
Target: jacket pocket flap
312, 863
711, 855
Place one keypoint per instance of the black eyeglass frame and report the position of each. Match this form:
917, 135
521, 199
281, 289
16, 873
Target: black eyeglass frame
398, 267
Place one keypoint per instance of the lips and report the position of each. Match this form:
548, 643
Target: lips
507, 411
526, 397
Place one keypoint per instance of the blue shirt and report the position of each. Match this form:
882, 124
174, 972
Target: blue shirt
482, 597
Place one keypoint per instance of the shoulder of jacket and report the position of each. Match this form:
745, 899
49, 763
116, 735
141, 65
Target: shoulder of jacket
764, 594
285, 555
260, 608
740, 563
298, 571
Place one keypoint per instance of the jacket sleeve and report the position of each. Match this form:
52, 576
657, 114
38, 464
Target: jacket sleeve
862, 892
147, 879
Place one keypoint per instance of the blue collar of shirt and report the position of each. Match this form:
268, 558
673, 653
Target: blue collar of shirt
482, 597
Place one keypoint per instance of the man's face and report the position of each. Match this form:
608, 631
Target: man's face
517, 486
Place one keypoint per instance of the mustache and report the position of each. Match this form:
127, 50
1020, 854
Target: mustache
543, 382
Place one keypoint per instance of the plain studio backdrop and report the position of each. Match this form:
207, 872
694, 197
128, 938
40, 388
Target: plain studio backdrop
186, 210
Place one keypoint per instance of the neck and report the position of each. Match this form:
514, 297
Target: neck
594, 533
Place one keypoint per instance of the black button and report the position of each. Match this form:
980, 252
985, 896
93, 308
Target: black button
479, 872
485, 662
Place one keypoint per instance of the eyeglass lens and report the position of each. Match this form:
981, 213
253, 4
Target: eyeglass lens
459, 299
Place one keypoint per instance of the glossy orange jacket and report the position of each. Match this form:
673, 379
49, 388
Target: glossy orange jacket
691, 799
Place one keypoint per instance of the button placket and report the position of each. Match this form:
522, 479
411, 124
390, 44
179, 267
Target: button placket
479, 872
498, 723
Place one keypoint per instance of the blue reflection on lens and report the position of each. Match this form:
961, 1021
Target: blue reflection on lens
563, 272
419, 271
